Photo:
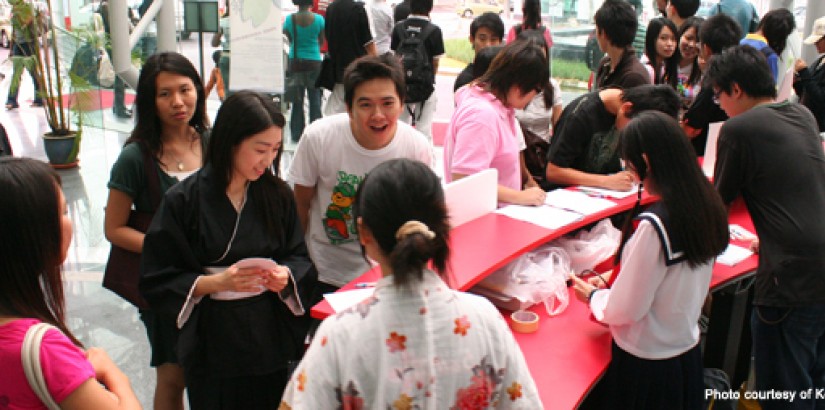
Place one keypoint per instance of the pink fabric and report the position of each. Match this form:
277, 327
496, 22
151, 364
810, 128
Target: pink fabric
64, 366
548, 38
482, 135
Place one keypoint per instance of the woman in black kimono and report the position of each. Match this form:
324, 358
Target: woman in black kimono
242, 321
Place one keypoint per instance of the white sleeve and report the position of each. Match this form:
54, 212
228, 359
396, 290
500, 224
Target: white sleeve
556, 92
304, 168
642, 271
314, 383
189, 305
424, 150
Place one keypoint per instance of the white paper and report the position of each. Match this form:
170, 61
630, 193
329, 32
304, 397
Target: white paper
709, 159
740, 233
544, 216
577, 202
733, 254
343, 300
607, 193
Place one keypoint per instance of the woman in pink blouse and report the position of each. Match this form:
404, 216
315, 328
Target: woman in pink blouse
34, 242
483, 132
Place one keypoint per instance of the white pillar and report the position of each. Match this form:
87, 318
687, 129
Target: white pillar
119, 34
166, 26
781, 4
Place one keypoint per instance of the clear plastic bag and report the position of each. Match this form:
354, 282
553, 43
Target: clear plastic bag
537, 276
589, 248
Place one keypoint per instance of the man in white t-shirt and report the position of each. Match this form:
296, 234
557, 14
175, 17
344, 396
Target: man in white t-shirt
380, 16
336, 152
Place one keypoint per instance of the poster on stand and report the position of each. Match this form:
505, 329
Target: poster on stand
257, 44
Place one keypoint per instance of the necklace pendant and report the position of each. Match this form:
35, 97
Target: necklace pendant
180, 166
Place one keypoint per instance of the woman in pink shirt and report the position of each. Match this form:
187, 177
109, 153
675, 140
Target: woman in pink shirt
33, 243
483, 132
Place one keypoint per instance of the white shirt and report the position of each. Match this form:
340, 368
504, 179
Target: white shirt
537, 117
653, 309
380, 16
429, 348
329, 158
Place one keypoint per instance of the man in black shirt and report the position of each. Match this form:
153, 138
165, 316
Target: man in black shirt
485, 30
771, 155
615, 30
583, 148
419, 113
348, 35
401, 12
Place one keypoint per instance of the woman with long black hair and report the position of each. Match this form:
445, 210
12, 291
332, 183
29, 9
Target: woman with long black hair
654, 304
225, 259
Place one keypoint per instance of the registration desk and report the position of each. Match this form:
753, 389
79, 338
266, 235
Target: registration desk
569, 352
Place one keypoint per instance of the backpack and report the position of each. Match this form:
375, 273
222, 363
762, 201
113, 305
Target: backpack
535, 156
540, 29
417, 63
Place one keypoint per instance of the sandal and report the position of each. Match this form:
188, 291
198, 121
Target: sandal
10, 106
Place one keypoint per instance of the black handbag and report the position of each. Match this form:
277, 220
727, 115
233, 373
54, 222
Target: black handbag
326, 79
122, 273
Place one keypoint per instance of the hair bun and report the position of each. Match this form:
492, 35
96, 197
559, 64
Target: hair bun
411, 227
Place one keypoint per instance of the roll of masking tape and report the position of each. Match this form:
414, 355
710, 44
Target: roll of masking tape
524, 321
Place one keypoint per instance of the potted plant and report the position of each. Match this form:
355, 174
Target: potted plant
63, 92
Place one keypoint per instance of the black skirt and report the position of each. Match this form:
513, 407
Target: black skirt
240, 352
635, 383
163, 337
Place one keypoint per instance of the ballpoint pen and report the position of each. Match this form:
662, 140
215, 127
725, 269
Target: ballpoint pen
361, 285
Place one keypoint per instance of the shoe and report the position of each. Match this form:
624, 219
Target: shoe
10, 106
37, 104
123, 113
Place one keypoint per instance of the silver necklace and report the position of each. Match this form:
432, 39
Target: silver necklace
180, 165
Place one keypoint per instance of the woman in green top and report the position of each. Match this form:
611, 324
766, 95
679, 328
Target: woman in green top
171, 122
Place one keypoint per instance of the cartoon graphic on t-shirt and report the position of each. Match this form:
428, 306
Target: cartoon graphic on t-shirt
338, 223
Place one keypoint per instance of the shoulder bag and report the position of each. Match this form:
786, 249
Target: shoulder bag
122, 273
30, 356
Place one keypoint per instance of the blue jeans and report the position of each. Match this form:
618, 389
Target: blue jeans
789, 353
223, 65
23, 50
306, 79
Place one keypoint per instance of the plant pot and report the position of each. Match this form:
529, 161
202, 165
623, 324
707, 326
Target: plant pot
62, 149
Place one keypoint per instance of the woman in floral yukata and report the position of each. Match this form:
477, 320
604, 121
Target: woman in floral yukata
415, 343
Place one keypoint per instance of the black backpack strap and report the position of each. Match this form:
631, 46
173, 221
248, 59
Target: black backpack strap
152, 177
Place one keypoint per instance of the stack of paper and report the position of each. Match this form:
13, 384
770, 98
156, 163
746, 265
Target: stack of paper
544, 216
577, 202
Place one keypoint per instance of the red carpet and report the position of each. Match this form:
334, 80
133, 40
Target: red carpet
97, 100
